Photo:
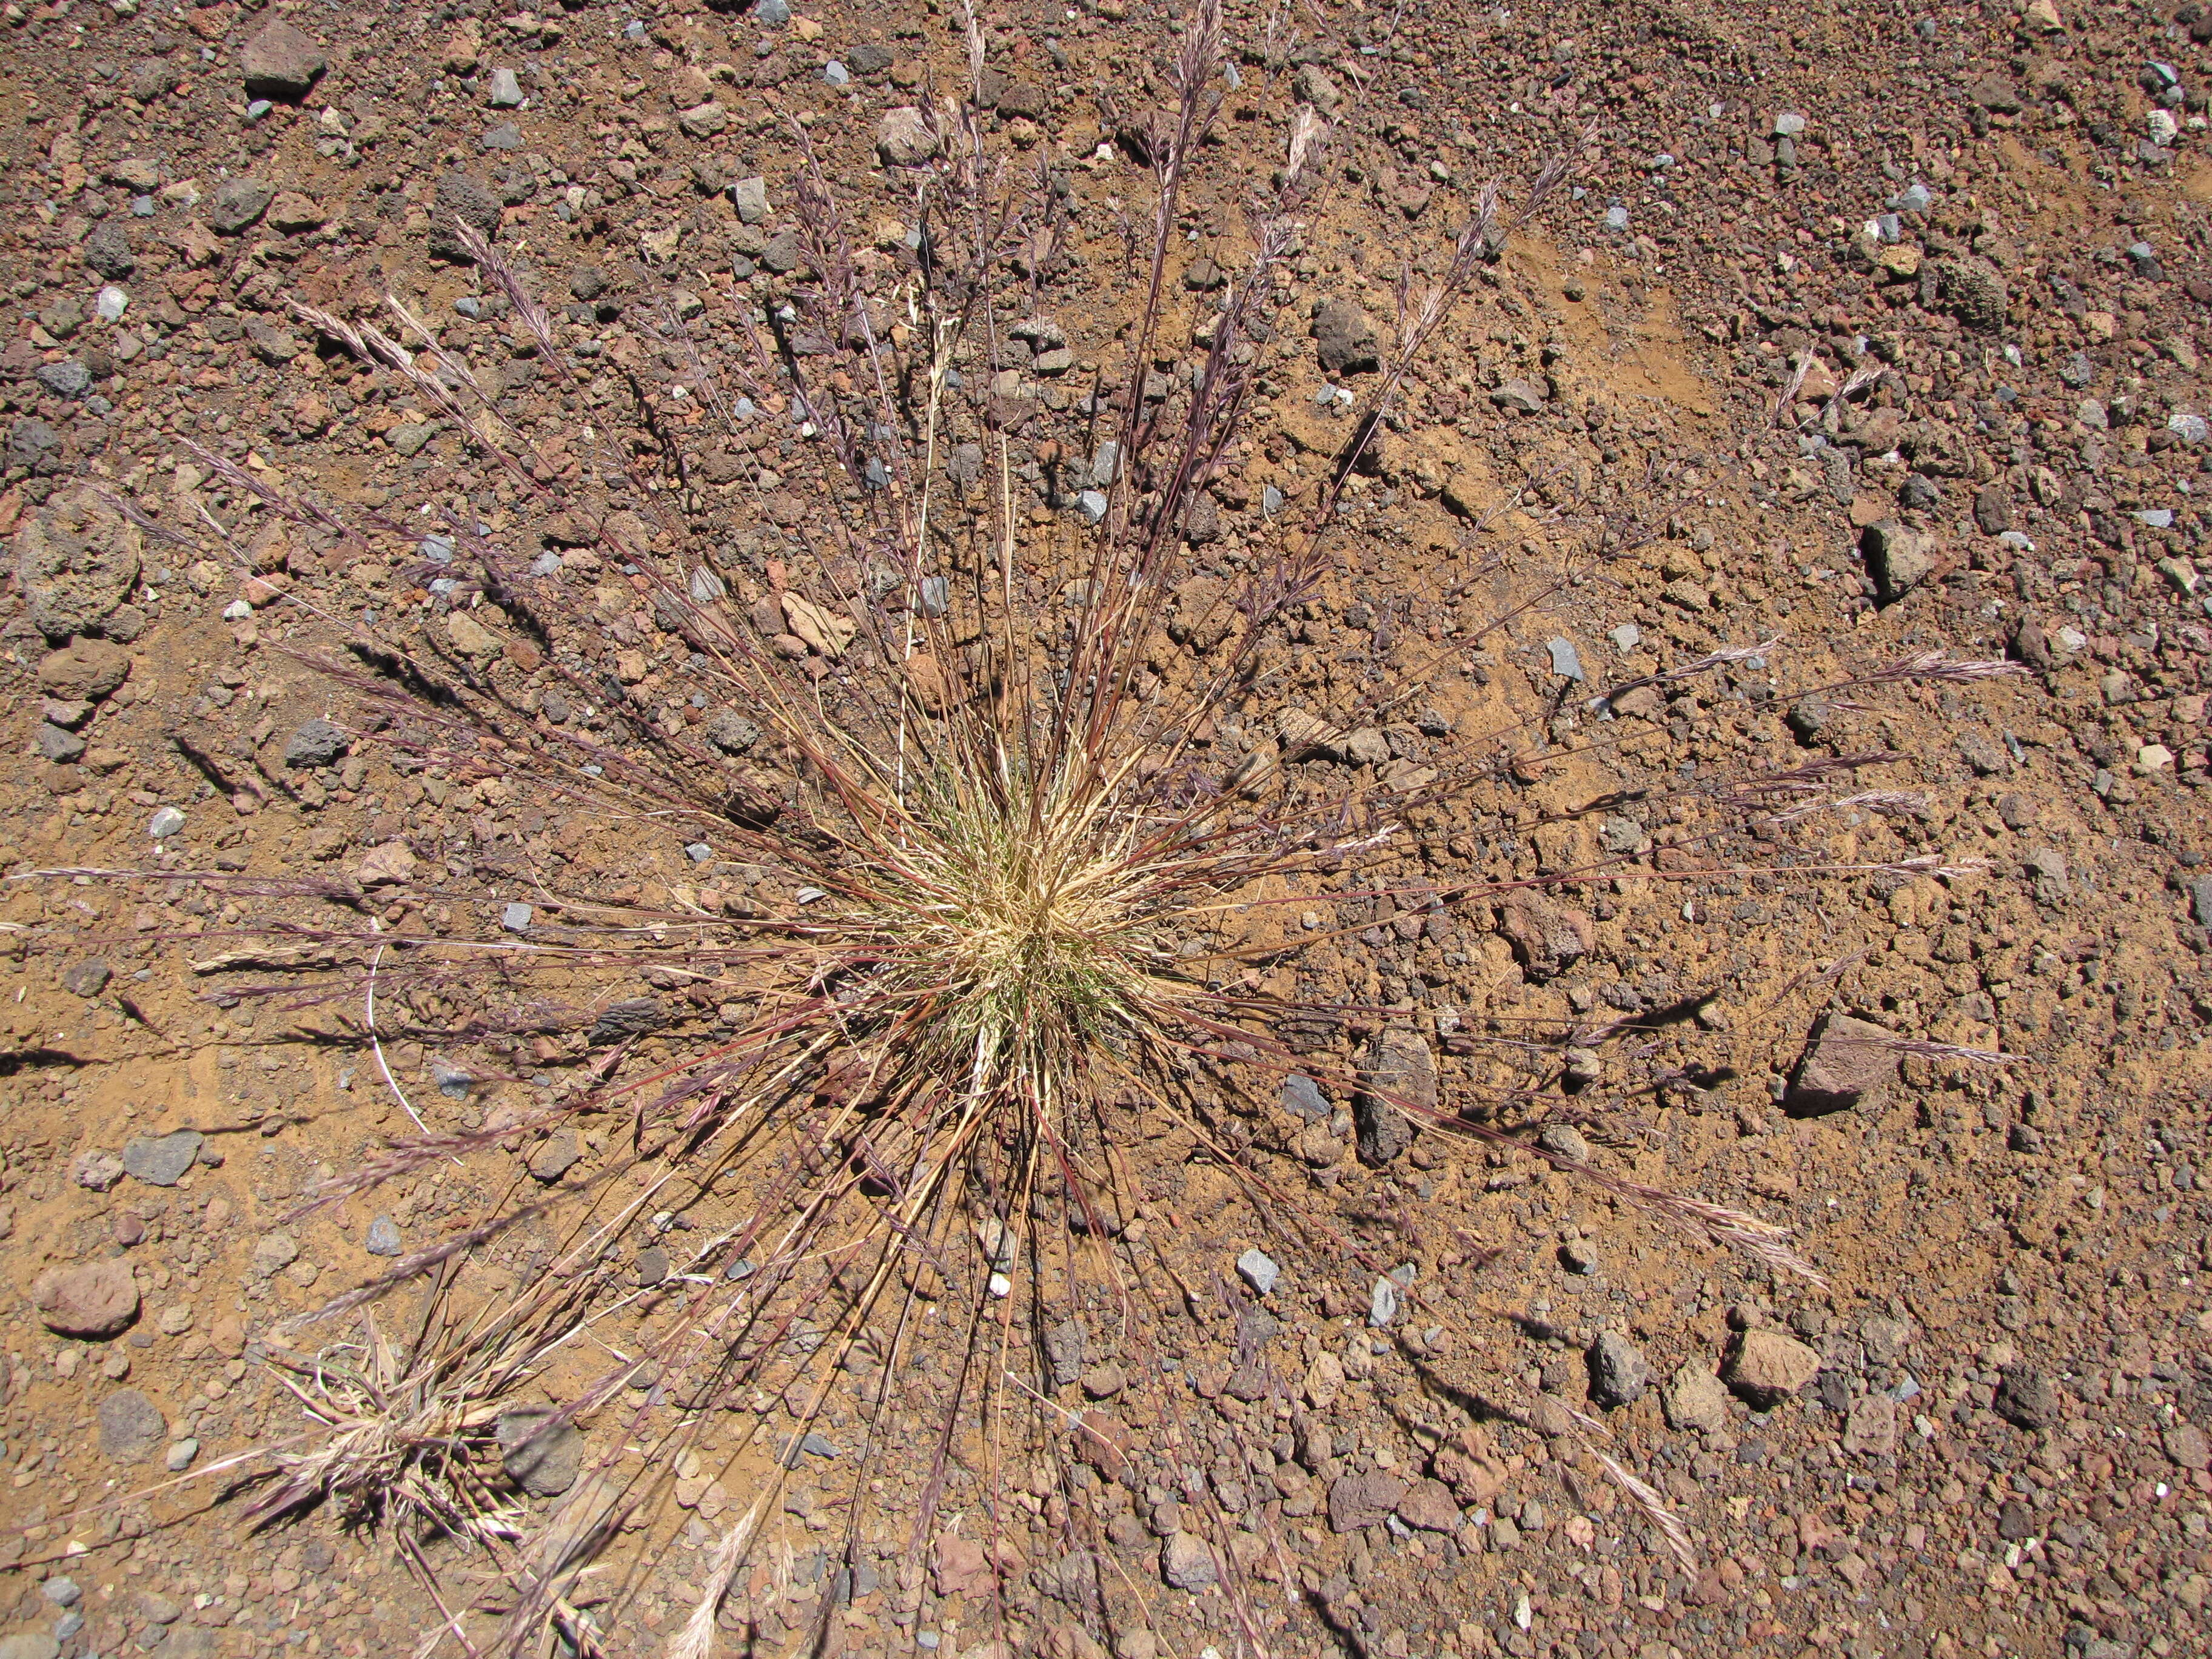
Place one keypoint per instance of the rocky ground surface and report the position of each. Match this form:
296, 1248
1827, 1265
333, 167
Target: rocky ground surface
1883, 318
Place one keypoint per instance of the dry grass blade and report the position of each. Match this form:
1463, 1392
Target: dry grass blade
1647, 1498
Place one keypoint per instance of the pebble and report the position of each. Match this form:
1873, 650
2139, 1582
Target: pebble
1567, 661
63, 1592
1619, 1372
110, 304
1092, 504
236, 203
67, 379
1187, 1562
543, 1460
772, 14
1767, 1367
1259, 1270
162, 1160
383, 1237
95, 1299
904, 139
516, 917
55, 744
1845, 1061
131, 1427
1302, 1099
1693, 1397
180, 1455
281, 61
506, 90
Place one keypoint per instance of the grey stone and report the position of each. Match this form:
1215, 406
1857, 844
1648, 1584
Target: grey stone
785, 253
108, 250
281, 62
540, 1456
30, 1645
1302, 1099
557, 1154
1187, 1561
409, 438
32, 444
166, 821
1846, 1061
751, 195
152, 78
88, 978
1567, 661
67, 379
1344, 338
516, 917
2026, 1398
652, 1266
162, 1160
1899, 559
1565, 1139
317, 743
236, 203
57, 744
504, 136
1519, 397
1259, 1270
470, 201
773, 14
131, 1427
1885, 1339
383, 1237
1400, 1075
732, 733
703, 120
1619, 1374
180, 1455
506, 90
62, 1592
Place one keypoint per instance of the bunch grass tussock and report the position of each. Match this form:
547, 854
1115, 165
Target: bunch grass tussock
992, 929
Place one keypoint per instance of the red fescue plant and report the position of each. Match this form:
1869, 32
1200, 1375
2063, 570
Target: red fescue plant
995, 924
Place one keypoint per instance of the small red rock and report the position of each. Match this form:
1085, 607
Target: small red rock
97, 1299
